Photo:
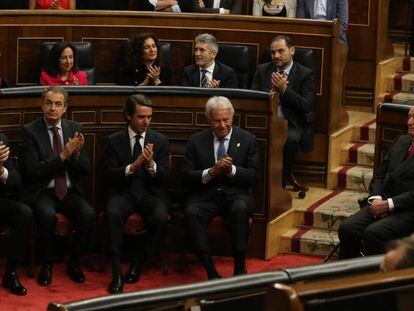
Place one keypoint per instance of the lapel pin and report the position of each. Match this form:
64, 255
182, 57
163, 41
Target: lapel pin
238, 145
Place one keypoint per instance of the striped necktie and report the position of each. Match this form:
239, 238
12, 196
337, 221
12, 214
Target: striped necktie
203, 81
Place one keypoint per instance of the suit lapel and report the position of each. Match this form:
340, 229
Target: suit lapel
234, 141
405, 164
196, 76
44, 136
66, 131
292, 76
216, 71
210, 148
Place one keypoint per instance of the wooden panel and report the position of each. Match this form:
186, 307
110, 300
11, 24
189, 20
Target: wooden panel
359, 12
10, 120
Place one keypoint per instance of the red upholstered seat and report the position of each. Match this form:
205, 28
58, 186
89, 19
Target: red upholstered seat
63, 225
134, 224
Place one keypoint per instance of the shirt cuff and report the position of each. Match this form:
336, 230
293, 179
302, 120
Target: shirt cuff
128, 170
152, 170
4, 176
176, 8
205, 177
233, 171
224, 11
390, 204
374, 197
153, 3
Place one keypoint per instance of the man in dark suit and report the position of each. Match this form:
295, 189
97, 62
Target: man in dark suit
294, 84
54, 163
136, 161
389, 211
221, 166
219, 7
14, 214
325, 10
207, 72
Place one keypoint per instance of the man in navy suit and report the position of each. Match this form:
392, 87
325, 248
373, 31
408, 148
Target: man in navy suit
325, 10
294, 84
221, 166
55, 162
136, 161
389, 211
207, 72
14, 214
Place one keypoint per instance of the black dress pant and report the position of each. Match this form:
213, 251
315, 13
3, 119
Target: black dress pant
153, 211
73, 206
235, 209
363, 232
19, 217
290, 152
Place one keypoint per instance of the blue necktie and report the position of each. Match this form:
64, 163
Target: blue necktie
221, 149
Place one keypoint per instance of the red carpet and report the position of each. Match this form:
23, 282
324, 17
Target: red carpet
63, 290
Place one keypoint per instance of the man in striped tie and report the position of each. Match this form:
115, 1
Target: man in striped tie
54, 163
220, 167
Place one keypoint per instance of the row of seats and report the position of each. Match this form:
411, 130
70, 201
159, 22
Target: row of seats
233, 55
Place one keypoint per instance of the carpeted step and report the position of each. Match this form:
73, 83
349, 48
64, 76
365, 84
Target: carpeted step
408, 63
329, 212
359, 154
401, 98
404, 82
367, 131
354, 177
308, 241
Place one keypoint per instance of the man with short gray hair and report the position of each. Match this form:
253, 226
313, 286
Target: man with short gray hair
221, 166
207, 72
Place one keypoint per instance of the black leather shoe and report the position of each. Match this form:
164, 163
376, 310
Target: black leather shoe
12, 283
134, 273
45, 275
75, 273
214, 276
117, 285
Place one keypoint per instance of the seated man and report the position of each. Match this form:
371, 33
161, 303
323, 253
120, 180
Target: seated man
207, 72
294, 84
14, 214
136, 161
55, 162
389, 212
219, 7
400, 255
221, 166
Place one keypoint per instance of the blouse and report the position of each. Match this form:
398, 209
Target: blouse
78, 78
45, 4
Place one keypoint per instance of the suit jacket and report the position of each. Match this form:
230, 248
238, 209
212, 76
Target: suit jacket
335, 9
395, 177
199, 155
13, 180
297, 101
118, 156
41, 164
224, 73
234, 6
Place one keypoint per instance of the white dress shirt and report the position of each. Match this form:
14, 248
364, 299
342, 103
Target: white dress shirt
320, 9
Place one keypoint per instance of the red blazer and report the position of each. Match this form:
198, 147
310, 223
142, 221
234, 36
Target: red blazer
45, 4
78, 78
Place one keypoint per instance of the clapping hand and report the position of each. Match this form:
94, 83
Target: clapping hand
279, 82
4, 155
224, 166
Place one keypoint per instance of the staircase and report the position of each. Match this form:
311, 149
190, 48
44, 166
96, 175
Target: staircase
317, 234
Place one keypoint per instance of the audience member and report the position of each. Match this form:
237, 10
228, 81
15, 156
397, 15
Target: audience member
144, 65
54, 163
136, 162
294, 84
207, 72
389, 212
62, 67
325, 10
279, 8
14, 214
219, 6
52, 4
220, 166
400, 255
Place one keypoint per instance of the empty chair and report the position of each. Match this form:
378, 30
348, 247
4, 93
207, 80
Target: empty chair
238, 58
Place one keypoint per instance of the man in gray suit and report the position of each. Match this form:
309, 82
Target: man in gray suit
325, 10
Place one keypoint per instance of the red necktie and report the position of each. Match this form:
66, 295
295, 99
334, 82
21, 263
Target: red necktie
410, 150
61, 188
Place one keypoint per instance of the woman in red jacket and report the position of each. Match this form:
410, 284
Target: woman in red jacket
62, 67
52, 4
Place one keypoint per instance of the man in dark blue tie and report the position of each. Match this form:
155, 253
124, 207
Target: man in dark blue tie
136, 164
221, 166
54, 163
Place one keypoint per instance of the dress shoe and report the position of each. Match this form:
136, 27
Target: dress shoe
133, 273
45, 275
117, 284
214, 276
11, 281
239, 272
75, 273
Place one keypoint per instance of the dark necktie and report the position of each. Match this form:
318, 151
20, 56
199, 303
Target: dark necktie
221, 149
410, 150
137, 147
203, 81
61, 188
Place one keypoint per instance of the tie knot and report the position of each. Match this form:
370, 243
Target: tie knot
204, 71
54, 129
